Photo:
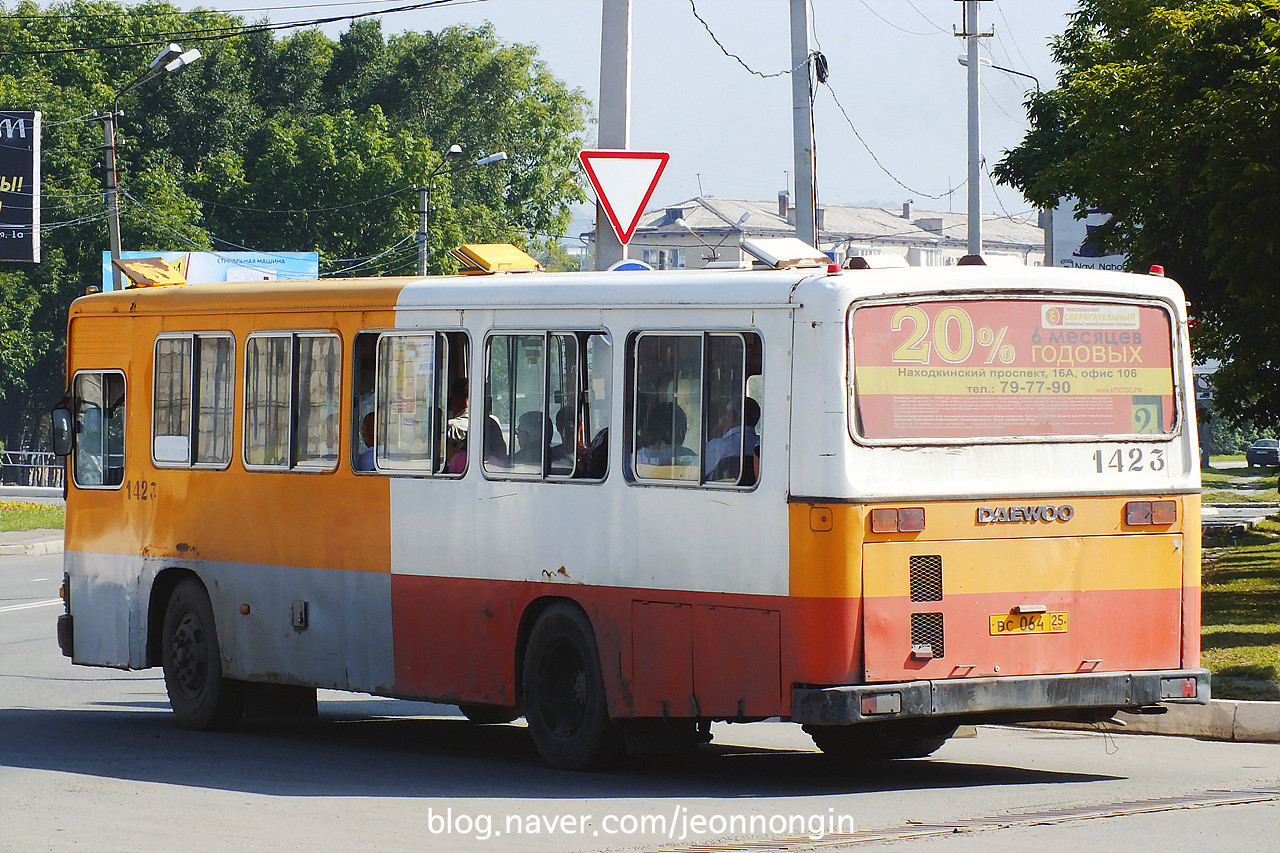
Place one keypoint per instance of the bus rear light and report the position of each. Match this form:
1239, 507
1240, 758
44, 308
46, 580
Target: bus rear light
911, 519
881, 703
1142, 513
905, 520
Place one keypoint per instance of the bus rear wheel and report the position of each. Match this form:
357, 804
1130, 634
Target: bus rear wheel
872, 743
564, 695
201, 698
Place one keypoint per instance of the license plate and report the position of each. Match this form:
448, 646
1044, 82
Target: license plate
1029, 623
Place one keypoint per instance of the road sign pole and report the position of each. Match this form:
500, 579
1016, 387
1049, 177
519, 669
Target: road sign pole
614, 129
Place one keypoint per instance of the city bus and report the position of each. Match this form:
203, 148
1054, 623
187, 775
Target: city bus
881, 503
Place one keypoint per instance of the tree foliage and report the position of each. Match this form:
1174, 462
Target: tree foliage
1167, 115
299, 143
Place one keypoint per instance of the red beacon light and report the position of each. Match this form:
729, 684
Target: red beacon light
1157, 269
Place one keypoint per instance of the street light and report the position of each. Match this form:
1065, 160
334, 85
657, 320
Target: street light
964, 60
715, 254
424, 194
171, 59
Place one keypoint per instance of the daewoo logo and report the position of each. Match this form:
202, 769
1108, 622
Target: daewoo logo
1015, 514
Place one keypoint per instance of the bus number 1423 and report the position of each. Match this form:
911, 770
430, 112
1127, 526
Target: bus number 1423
1133, 459
140, 490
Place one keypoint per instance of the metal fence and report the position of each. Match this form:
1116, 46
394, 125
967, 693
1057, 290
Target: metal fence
31, 468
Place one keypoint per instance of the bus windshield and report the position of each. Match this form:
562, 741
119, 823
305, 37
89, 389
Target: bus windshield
999, 369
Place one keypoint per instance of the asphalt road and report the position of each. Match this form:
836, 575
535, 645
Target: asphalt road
91, 759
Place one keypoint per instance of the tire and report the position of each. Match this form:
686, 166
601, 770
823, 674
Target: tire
201, 698
872, 743
483, 715
564, 695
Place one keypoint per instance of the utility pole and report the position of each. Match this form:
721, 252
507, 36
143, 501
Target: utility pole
972, 34
802, 124
422, 229
112, 186
615, 111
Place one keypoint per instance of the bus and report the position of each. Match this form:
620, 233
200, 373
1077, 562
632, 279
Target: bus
881, 503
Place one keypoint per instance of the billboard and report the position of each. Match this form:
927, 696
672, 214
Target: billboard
1012, 368
216, 267
20, 186
1072, 247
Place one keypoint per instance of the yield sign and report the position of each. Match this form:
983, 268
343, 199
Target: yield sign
624, 181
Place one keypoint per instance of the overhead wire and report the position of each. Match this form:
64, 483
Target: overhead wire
219, 33
738, 59
818, 57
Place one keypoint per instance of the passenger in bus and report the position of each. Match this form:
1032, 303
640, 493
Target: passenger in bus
459, 416
595, 462
738, 440
662, 439
533, 434
364, 462
569, 452
495, 445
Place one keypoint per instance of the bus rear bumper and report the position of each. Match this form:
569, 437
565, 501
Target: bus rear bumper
1009, 699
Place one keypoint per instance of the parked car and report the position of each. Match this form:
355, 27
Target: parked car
1264, 451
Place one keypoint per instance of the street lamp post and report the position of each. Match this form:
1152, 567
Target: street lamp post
169, 60
715, 250
424, 195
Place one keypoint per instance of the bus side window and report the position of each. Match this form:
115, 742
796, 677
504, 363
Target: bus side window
192, 381
547, 402
292, 388
99, 411
693, 420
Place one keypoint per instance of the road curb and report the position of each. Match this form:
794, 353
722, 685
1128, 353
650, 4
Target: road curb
31, 549
1222, 720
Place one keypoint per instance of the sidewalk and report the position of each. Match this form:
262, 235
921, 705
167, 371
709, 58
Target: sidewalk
30, 543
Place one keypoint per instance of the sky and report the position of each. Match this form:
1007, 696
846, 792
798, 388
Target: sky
893, 68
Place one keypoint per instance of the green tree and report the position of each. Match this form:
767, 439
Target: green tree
1167, 115
297, 143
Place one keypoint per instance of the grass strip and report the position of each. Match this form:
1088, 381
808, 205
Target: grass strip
19, 516
1240, 613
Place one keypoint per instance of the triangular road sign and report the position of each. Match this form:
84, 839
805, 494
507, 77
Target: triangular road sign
624, 181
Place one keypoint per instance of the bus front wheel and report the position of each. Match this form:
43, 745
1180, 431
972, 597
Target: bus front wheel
564, 695
201, 698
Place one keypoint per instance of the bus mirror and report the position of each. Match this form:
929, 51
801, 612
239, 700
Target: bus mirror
61, 433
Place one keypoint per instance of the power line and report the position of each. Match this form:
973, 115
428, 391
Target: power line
884, 168
738, 59
219, 33
891, 23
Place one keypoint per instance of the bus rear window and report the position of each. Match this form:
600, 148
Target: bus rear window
1011, 368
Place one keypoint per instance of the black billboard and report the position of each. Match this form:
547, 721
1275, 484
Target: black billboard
20, 186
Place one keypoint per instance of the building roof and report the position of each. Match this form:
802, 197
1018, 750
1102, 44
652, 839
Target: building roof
839, 223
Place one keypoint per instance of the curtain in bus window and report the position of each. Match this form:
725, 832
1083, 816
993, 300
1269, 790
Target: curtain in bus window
668, 407
595, 427
731, 435
562, 392
171, 412
318, 396
215, 384
529, 427
406, 402
267, 387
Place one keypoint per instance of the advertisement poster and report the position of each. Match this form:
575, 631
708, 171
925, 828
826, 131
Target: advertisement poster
1008, 368
20, 186
214, 267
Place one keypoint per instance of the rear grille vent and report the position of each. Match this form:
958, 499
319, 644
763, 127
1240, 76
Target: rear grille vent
926, 630
926, 578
